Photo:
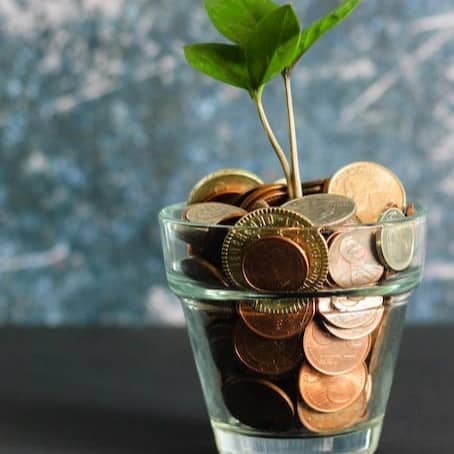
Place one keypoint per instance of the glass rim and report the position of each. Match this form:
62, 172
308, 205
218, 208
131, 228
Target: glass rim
169, 215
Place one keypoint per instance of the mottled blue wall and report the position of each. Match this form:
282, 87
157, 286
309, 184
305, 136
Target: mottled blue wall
101, 124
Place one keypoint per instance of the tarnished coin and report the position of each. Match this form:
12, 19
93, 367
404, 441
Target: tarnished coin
330, 394
324, 209
345, 319
223, 183
263, 193
359, 332
352, 262
331, 355
265, 356
213, 213
271, 222
332, 422
359, 303
395, 240
372, 186
201, 270
273, 326
274, 264
259, 404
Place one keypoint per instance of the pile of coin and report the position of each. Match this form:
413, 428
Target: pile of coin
292, 357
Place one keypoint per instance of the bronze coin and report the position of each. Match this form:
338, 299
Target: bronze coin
202, 271
229, 194
410, 211
360, 331
219, 334
259, 193
266, 356
259, 404
352, 262
221, 185
274, 263
273, 326
330, 394
331, 355
332, 422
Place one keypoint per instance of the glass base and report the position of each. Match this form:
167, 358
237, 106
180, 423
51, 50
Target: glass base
363, 441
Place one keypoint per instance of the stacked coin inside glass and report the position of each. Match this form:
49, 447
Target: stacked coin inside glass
293, 357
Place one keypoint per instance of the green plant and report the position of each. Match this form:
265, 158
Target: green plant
267, 41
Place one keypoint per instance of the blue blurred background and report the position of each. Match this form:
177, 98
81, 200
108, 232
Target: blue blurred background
102, 124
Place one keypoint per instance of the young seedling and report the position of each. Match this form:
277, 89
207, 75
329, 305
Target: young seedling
267, 40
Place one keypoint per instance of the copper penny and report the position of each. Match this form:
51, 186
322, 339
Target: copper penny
273, 326
331, 355
275, 263
344, 319
265, 356
213, 213
259, 193
352, 262
259, 404
360, 331
201, 270
330, 394
372, 186
410, 211
332, 422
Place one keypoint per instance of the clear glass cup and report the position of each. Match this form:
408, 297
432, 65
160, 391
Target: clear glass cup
258, 410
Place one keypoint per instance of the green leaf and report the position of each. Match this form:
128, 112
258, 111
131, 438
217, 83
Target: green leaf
272, 45
223, 62
236, 19
315, 31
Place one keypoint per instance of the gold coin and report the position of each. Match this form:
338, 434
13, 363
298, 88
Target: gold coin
323, 209
222, 182
330, 394
275, 222
395, 240
332, 422
352, 261
286, 306
212, 213
372, 186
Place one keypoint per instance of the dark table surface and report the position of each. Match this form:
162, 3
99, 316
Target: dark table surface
60, 393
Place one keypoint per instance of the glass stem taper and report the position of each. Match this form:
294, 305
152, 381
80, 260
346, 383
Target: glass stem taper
295, 177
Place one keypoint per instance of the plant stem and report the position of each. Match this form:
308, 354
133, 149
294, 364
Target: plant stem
273, 140
295, 177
